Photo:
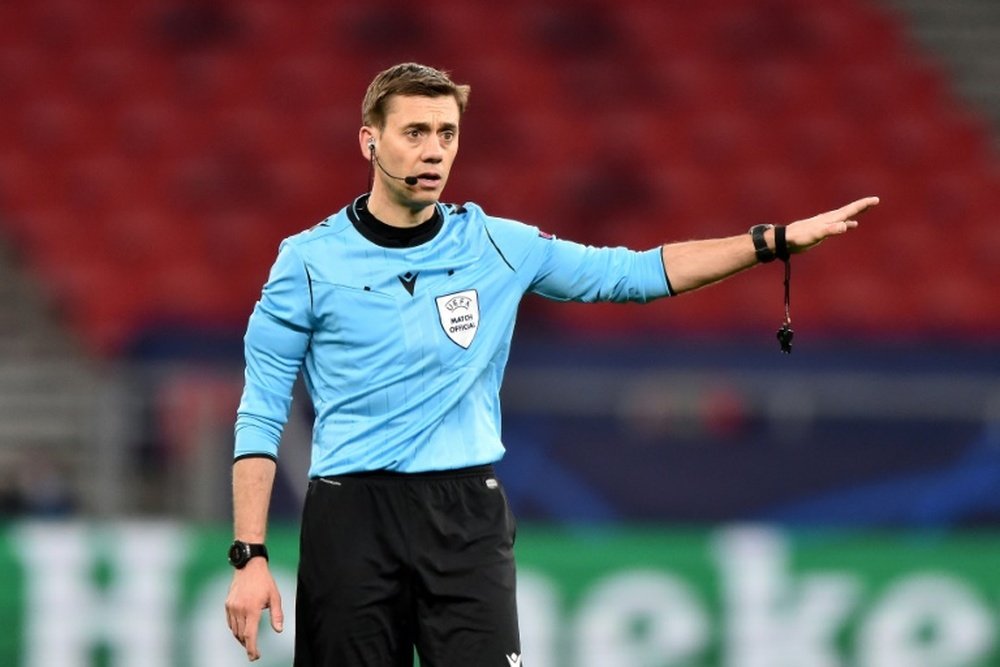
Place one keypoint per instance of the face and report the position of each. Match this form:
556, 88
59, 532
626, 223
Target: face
420, 139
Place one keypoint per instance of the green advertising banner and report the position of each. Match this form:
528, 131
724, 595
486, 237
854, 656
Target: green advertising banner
150, 594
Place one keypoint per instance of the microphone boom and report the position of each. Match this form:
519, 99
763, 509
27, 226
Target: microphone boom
409, 180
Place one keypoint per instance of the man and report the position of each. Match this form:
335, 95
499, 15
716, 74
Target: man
399, 310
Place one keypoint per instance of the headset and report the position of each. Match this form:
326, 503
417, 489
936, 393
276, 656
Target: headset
409, 180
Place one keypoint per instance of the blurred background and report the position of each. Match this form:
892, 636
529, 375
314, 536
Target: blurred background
687, 494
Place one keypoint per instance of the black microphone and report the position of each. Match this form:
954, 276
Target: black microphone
409, 180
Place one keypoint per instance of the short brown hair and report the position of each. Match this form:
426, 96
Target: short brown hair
408, 79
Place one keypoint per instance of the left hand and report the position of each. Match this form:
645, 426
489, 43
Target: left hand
804, 234
253, 590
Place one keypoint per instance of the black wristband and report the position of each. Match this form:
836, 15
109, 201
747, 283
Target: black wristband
781, 244
764, 254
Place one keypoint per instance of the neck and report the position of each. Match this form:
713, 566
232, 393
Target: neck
398, 213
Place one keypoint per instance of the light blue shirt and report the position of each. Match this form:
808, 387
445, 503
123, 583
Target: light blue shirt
410, 382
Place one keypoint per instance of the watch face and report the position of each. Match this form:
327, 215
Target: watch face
238, 554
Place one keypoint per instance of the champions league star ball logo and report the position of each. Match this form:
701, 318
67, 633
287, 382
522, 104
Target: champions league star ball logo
459, 315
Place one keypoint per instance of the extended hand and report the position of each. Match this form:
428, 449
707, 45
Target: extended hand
253, 590
804, 234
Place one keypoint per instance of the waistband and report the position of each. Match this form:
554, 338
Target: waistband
456, 473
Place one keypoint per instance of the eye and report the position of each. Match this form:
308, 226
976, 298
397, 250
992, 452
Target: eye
448, 136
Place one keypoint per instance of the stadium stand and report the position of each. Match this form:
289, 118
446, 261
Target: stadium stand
154, 153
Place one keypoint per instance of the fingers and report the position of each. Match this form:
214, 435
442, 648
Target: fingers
842, 226
804, 234
243, 624
249, 639
235, 622
842, 219
277, 615
836, 228
252, 621
246, 633
855, 207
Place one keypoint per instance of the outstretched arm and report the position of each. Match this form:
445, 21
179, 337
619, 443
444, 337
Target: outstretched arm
694, 264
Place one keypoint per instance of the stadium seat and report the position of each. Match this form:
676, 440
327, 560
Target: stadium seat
170, 146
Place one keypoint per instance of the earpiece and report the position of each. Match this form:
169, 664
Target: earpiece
371, 145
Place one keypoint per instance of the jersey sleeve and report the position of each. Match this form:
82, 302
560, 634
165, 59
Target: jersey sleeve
569, 271
275, 346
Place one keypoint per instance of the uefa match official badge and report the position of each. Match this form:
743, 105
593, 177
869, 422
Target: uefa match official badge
459, 315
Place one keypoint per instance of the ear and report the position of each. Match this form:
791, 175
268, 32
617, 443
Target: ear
366, 139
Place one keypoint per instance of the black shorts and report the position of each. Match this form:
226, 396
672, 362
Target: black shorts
390, 562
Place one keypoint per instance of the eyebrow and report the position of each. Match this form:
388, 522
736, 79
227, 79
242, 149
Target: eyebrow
425, 127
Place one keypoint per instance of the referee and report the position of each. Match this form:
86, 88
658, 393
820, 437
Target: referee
399, 311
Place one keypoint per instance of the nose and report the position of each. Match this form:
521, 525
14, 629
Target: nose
433, 150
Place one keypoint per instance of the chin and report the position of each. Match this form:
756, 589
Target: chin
428, 195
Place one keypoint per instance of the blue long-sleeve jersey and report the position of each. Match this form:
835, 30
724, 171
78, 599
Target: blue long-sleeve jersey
403, 350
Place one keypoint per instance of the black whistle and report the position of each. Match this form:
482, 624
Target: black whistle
785, 335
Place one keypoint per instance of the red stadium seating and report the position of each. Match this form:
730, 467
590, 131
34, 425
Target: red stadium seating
154, 153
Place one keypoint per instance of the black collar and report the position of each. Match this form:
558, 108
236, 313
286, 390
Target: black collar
388, 236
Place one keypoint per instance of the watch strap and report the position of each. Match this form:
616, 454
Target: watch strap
257, 550
764, 253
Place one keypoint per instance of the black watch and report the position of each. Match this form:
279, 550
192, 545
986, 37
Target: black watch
240, 553
764, 254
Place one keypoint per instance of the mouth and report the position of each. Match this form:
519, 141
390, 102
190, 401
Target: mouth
428, 179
